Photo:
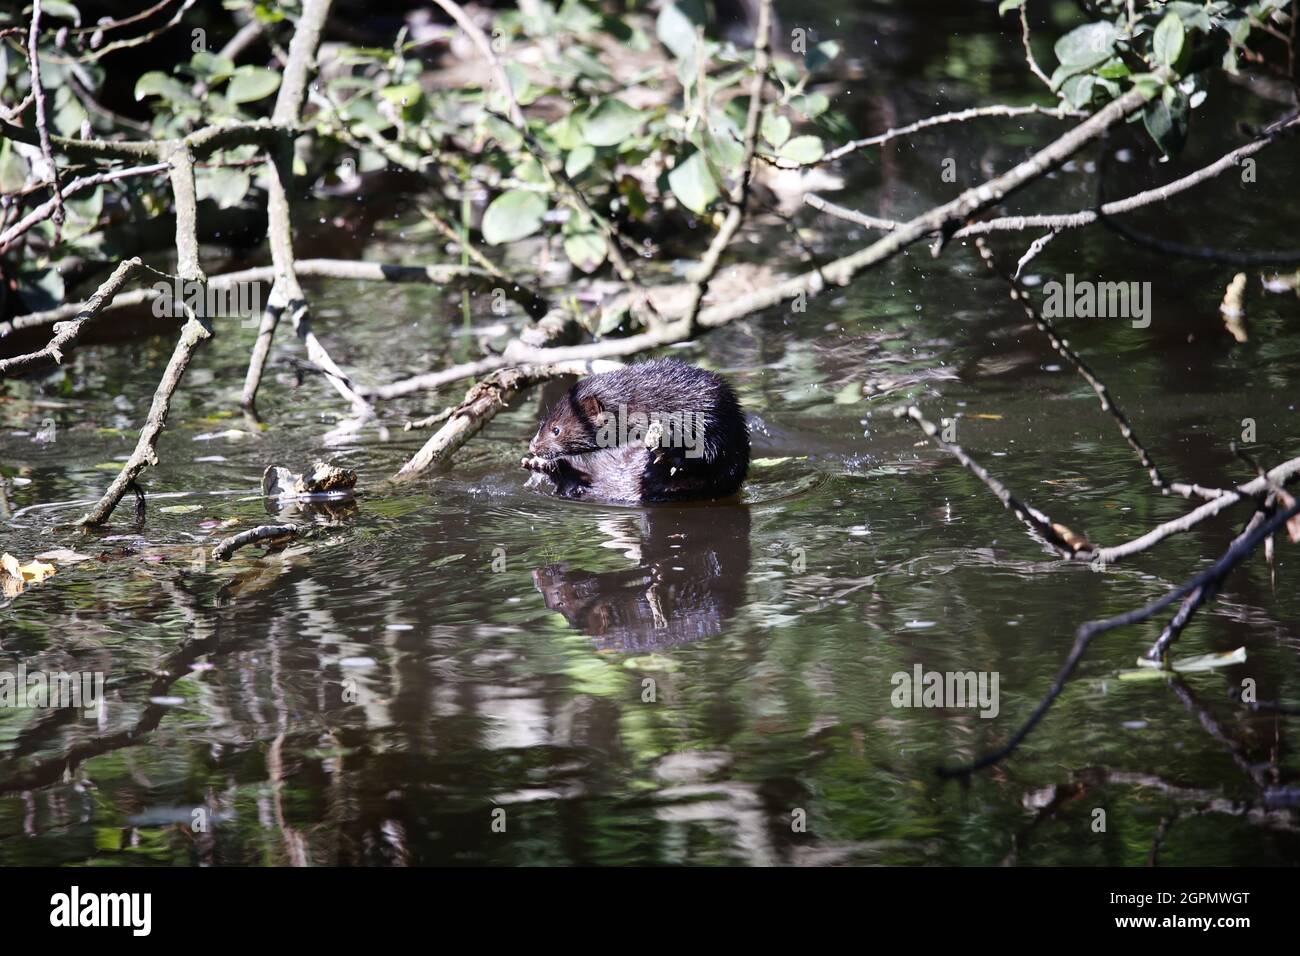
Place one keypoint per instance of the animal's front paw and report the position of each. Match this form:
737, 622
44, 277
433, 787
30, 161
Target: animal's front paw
533, 462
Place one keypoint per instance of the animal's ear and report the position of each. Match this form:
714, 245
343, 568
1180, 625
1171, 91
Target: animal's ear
591, 406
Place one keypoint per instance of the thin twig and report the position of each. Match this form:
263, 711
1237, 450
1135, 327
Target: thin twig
1240, 548
1058, 536
437, 274
1062, 348
1029, 53
740, 190
51, 206
481, 404
66, 333
47, 149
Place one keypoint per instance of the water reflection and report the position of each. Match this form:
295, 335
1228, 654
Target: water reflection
689, 578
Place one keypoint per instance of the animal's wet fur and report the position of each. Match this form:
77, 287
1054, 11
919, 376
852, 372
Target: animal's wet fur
579, 467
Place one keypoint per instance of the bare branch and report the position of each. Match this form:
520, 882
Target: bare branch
228, 546
481, 404
42, 129
66, 333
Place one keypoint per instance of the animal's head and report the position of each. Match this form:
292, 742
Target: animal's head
570, 426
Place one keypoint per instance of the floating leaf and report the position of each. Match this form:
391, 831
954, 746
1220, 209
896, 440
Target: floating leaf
180, 509
849, 394
1188, 665
513, 215
63, 556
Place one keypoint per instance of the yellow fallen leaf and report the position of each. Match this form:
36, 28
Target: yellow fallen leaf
36, 571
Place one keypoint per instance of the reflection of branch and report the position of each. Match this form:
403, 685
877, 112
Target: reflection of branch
1058, 536
1193, 601
1059, 345
1213, 575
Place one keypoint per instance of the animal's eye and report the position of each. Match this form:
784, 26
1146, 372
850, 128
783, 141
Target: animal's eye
555, 430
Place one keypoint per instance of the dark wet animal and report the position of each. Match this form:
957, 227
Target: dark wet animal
654, 431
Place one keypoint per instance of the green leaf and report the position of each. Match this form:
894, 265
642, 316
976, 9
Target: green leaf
776, 129
155, 83
810, 105
226, 186
578, 160
585, 249
62, 10
820, 55
1168, 40
251, 83
676, 26
1008, 5
1188, 665
513, 215
1165, 118
611, 122
1084, 48
802, 150
693, 184
13, 171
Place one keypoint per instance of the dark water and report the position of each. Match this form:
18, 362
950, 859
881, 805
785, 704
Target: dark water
689, 685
